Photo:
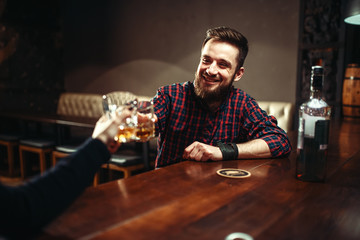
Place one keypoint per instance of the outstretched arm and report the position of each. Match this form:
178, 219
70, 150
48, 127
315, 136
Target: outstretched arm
198, 151
26, 209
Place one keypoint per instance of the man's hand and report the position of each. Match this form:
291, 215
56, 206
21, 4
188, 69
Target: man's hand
202, 152
106, 129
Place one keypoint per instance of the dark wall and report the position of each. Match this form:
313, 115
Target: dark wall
31, 55
141, 45
352, 44
47, 47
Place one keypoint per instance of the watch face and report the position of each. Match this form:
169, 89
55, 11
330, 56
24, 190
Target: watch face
233, 173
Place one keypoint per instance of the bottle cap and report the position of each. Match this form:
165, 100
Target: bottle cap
317, 77
317, 70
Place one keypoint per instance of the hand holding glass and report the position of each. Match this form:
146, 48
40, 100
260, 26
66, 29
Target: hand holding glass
113, 105
139, 126
145, 129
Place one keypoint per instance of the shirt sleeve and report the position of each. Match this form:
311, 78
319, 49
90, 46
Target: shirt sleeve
259, 125
27, 208
161, 109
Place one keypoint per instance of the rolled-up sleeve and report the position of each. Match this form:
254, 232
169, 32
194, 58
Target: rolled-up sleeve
259, 125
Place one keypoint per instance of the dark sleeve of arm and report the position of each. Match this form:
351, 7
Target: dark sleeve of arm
29, 207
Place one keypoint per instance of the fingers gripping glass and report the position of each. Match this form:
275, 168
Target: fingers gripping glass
115, 105
145, 129
139, 126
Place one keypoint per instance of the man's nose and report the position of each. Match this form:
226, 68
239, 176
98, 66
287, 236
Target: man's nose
212, 69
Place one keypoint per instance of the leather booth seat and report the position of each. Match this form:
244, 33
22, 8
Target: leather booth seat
123, 97
90, 104
283, 111
80, 104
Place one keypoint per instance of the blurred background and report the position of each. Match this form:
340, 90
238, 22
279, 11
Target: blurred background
50, 47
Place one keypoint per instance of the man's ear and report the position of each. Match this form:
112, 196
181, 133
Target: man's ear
239, 74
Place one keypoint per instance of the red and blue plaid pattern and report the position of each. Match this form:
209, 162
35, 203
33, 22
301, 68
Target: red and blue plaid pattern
182, 120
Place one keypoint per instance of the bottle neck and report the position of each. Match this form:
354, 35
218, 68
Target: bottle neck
315, 94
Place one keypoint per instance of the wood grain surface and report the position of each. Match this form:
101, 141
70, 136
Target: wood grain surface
189, 200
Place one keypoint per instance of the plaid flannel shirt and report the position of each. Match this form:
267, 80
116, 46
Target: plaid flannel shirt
182, 119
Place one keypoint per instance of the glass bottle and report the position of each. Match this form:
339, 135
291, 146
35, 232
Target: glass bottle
313, 132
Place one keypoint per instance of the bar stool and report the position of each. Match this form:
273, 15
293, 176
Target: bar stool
10, 142
62, 151
126, 164
37, 146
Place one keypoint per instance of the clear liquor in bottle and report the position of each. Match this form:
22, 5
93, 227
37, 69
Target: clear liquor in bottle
313, 132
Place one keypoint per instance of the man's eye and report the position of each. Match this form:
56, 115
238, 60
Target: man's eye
223, 65
205, 60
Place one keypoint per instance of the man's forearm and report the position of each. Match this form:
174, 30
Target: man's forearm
256, 148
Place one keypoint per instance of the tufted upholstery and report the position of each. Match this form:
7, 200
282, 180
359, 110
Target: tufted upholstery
123, 97
80, 104
283, 111
144, 98
90, 105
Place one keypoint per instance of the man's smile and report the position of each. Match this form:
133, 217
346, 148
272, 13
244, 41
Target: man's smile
210, 80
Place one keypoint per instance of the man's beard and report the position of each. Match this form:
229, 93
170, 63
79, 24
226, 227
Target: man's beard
211, 96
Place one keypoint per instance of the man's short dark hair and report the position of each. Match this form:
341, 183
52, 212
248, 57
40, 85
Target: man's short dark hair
226, 34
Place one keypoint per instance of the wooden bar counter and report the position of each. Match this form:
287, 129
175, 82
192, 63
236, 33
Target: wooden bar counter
190, 201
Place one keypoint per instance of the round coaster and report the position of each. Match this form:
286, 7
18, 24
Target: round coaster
233, 173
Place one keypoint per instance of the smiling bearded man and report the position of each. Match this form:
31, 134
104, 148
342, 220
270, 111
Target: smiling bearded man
216, 72
209, 119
